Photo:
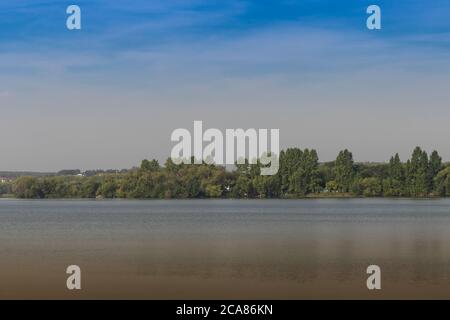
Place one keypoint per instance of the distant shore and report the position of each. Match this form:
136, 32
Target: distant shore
299, 175
307, 197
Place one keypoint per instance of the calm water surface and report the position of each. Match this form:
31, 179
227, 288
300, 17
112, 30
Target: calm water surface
292, 249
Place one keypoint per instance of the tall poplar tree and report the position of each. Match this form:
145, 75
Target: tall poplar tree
344, 171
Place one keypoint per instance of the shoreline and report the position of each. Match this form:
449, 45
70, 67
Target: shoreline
308, 197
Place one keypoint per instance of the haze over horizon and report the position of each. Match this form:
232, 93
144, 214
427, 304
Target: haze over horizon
109, 95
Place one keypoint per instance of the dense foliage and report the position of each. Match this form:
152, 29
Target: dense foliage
300, 174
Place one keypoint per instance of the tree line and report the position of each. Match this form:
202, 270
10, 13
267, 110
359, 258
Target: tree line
300, 175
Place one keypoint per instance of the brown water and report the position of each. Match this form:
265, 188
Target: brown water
209, 249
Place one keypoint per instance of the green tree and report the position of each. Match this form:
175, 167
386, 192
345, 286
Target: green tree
332, 186
299, 172
242, 188
344, 171
368, 187
214, 191
152, 165
27, 188
434, 167
442, 182
394, 184
108, 187
417, 174
89, 187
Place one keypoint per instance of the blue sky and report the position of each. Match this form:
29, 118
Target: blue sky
110, 94
147, 23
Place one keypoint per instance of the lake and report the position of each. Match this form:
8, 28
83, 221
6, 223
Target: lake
225, 249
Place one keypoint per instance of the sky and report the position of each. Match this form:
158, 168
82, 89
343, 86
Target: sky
110, 94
